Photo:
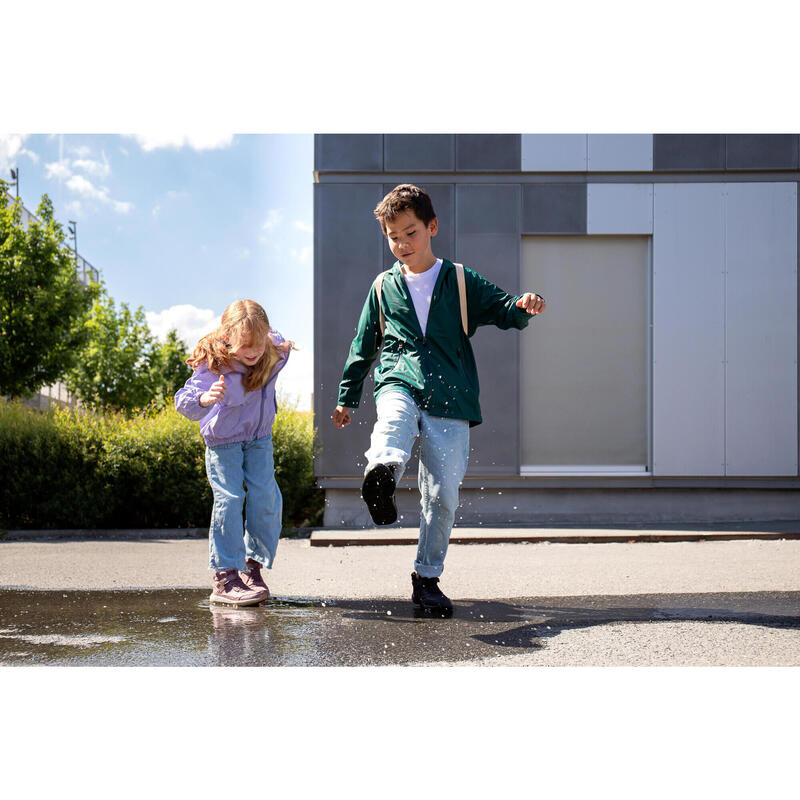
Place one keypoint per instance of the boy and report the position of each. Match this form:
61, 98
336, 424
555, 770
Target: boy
426, 383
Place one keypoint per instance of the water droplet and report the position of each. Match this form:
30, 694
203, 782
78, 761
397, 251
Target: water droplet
388, 613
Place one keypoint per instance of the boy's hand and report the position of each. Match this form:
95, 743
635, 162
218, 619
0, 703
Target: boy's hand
214, 394
341, 416
532, 303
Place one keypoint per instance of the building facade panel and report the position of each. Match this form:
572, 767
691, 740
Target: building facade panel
554, 208
761, 329
554, 152
702, 152
688, 330
615, 208
423, 152
620, 152
347, 257
761, 151
348, 152
487, 152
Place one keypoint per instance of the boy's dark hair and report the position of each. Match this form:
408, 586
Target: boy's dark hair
405, 197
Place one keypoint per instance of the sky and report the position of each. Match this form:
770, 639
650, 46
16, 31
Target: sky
181, 225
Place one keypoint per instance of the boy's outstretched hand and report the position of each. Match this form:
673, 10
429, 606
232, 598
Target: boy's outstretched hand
532, 303
341, 416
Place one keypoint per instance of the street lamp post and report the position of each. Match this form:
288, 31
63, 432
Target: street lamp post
15, 180
73, 234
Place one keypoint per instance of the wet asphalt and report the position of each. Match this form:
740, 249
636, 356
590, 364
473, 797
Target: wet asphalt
179, 627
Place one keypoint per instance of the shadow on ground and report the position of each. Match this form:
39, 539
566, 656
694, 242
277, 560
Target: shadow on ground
179, 628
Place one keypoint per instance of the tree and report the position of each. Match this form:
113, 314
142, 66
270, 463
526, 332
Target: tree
114, 369
168, 367
42, 303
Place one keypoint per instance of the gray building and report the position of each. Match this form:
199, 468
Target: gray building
661, 383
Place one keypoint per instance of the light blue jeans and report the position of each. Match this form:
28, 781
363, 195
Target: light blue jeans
443, 456
242, 477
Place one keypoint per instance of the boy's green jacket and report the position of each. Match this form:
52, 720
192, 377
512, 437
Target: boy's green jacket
438, 369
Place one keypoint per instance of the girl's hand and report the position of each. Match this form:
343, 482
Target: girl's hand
532, 303
214, 394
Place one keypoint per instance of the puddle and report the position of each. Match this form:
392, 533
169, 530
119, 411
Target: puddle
174, 627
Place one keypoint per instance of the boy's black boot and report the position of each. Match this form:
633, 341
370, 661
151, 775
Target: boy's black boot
428, 598
377, 490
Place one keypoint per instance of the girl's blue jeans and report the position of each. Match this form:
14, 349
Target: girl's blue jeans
443, 456
242, 478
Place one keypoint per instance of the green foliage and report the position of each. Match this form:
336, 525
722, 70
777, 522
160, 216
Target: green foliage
168, 368
67, 470
42, 304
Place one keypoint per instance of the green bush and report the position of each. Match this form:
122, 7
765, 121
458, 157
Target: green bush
65, 469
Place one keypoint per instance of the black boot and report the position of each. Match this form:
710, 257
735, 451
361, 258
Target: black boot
377, 490
428, 597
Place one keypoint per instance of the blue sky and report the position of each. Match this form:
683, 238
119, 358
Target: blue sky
183, 226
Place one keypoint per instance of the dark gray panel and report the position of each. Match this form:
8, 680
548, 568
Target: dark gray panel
347, 257
495, 444
419, 152
762, 151
444, 243
348, 152
695, 151
488, 152
488, 208
554, 208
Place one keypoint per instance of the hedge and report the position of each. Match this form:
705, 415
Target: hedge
66, 469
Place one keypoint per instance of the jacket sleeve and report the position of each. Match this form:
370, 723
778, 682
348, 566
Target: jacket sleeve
187, 399
488, 304
363, 351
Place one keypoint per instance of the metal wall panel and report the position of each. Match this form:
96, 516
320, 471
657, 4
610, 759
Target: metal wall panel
619, 208
554, 208
348, 152
688, 330
478, 152
761, 151
620, 152
689, 151
761, 329
347, 256
554, 152
419, 152
490, 245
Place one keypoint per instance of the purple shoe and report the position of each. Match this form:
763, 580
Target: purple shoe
252, 579
229, 588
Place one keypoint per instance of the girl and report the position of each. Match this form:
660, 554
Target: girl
232, 395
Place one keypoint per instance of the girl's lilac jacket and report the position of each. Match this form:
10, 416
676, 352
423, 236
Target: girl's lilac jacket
240, 416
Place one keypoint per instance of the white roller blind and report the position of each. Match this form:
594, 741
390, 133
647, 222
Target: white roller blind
585, 360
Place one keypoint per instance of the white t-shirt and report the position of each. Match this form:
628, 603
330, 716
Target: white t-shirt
421, 289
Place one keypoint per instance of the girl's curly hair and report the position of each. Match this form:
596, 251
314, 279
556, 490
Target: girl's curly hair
244, 323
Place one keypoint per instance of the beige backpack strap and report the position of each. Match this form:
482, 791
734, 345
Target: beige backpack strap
378, 284
462, 296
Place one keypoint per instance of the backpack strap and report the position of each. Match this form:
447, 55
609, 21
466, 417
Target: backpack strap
378, 284
462, 297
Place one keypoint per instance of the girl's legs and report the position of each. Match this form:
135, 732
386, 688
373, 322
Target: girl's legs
264, 506
443, 456
225, 470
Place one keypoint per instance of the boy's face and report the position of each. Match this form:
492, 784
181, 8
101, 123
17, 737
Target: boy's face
410, 240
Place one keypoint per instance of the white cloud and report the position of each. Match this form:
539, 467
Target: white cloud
203, 141
10, 147
58, 169
122, 207
156, 209
74, 207
98, 169
30, 154
306, 227
274, 218
303, 255
191, 322
242, 253
82, 151
86, 189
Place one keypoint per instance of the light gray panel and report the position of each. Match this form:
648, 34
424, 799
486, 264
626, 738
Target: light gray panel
584, 367
495, 444
619, 208
688, 330
620, 152
761, 330
554, 152
347, 257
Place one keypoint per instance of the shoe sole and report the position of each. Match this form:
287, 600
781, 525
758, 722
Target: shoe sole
227, 601
432, 611
377, 491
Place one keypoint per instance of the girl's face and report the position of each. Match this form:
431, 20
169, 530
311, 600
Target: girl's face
248, 353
